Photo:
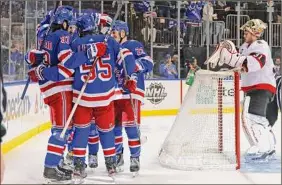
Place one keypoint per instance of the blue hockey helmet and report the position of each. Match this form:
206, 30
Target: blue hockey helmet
63, 13
121, 26
86, 22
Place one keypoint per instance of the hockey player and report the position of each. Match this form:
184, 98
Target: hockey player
97, 100
275, 105
258, 84
124, 112
93, 140
57, 95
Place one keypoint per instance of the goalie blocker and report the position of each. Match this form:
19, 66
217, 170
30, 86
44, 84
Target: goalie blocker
258, 83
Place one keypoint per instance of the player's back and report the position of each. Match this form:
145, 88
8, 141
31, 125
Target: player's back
57, 49
100, 87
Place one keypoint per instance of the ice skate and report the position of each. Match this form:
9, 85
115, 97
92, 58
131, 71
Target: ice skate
57, 175
79, 171
93, 161
120, 163
67, 163
254, 156
134, 166
111, 166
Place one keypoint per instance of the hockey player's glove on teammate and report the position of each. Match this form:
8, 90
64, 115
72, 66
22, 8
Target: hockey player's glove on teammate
103, 19
131, 82
139, 67
35, 73
35, 57
96, 50
226, 53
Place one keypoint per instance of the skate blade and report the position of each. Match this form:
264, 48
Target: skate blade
77, 180
135, 174
260, 159
119, 169
54, 181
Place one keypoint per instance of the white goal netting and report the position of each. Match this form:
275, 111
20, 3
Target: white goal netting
205, 133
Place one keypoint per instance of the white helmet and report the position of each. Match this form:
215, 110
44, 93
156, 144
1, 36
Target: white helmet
254, 26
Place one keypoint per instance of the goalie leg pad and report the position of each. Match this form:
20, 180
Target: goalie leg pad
256, 129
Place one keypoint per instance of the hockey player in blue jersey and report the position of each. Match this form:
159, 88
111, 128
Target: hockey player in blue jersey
97, 100
57, 95
124, 111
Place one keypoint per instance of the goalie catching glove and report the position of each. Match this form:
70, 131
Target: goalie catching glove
225, 56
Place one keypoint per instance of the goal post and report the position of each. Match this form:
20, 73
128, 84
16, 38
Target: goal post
206, 131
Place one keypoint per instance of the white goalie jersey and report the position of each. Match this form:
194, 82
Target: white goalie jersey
259, 67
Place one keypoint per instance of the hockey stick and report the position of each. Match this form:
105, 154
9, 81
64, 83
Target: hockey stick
142, 139
88, 77
40, 48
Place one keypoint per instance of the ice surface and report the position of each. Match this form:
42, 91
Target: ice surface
25, 163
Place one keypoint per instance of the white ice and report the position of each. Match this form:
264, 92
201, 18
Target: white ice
25, 163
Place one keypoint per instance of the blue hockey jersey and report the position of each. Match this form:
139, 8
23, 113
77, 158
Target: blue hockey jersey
144, 64
58, 51
100, 90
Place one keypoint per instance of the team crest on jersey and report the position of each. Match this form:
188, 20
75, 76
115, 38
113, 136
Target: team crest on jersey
139, 51
155, 93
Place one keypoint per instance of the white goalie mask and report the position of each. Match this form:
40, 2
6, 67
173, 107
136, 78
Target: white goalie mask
254, 26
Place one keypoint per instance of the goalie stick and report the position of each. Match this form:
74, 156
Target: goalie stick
40, 48
142, 139
88, 76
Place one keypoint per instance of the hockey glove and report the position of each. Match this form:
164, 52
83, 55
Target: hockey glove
225, 53
96, 50
35, 57
139, 67
131, 83
35, 73
103, 19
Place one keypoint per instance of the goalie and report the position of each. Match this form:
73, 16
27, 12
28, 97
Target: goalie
258, 83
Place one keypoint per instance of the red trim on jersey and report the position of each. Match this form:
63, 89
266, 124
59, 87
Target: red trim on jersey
267, 87
258, 59
63, 56
100, 98
140, 93
56, 84
55, 149
65, 70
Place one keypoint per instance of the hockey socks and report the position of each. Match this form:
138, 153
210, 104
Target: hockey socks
93, 140
55, 149
118, 139
80, 141
133, 141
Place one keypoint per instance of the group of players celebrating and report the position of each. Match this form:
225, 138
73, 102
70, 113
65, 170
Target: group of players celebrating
110, 102
115, 89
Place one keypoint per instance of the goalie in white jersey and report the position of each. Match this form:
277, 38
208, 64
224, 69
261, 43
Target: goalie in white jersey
258, 83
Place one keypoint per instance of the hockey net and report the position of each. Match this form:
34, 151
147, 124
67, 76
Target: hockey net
205, 134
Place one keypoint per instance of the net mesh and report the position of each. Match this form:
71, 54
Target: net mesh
203, 135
